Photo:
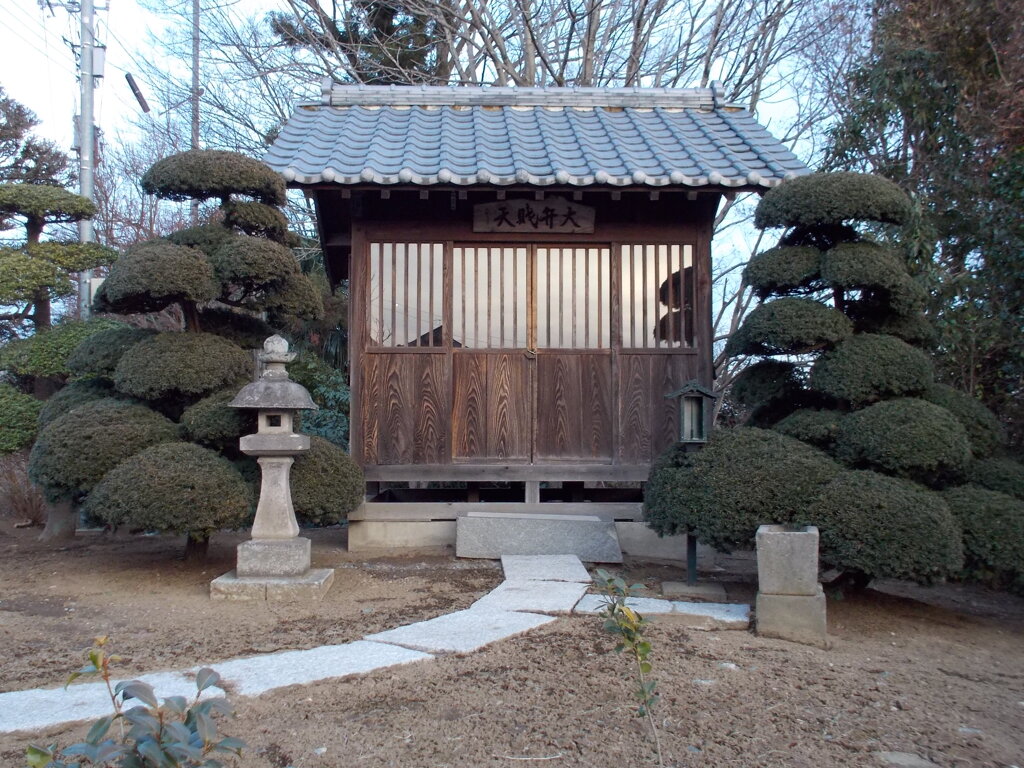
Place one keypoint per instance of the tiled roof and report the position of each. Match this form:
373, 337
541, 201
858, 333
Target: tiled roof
617, 137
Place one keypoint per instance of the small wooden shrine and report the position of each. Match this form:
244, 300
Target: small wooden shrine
529, 275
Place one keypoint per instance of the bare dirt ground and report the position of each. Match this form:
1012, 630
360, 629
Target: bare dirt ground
936, 672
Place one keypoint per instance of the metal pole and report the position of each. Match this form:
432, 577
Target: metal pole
87, 143
691, 559
195, 94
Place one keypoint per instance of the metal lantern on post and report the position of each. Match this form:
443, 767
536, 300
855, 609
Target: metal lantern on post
275, 563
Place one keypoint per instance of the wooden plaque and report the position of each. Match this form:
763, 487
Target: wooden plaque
553, 214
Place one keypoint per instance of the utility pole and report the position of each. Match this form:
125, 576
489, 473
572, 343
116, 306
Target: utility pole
195, 94
86, 141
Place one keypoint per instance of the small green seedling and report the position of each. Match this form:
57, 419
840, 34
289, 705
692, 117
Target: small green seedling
174, 734
621, 620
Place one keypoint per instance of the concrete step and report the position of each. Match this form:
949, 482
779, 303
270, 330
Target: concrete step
493, 535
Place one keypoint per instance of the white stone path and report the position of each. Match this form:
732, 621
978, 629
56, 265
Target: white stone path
534, 586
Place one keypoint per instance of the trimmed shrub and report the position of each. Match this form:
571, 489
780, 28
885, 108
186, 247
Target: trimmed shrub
246, 330
205, 237
252, 264
256, 219
914, 329
326, 484
297, 296
983, 428
884, 527
832, 198
43, 201
993, 533
764, 381
669, 492
75, 394
862, 265
1003, 475
178, 364
46, 352
73, 256
908, 438
173, 488
823, 237
789, 326
156, 273
74, 452
200, 174
19, 414
211, 422
745, 477
100, 353
819, 427
868, 367
907, 297
782, 269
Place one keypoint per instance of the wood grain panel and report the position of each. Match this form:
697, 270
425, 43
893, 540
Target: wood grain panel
596, 422
430, 444
634, 408
370, 407
398, 403
469, 406
558, 406
509, 429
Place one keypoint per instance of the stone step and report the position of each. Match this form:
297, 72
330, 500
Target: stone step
494, 535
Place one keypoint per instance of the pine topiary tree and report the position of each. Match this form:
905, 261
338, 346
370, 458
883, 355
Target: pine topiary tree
844, 313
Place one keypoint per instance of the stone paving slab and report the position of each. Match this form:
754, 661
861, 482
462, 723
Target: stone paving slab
593, 541
644, 605
711, 591
257, 674
693, 615
539, 596
462, 631
544, 568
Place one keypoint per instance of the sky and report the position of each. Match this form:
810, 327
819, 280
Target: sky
38, 68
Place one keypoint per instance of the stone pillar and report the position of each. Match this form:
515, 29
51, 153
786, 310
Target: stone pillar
790, 601
275, 514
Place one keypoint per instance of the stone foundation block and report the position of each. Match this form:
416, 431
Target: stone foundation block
798, 618
308, 587
486, 535
787, 560
273, 557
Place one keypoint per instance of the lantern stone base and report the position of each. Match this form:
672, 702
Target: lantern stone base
797, 618
310, 586
273, 557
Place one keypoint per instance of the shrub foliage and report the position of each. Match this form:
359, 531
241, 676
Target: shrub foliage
18, 416
789, 326
817, 426
326, 484
832, 198
212, 423
783, 269
157, 273
99, 354
983, 428
993, 532
868, 367
765, 381
200, 174
998, 474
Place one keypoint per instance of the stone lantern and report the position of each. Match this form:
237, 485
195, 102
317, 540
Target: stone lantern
696, 412
274, 563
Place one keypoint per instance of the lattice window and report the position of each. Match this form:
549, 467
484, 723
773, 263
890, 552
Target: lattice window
406, 295
657, 289
573, 298
489, 297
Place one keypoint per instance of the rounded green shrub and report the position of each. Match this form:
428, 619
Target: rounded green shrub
252, 264
832, 198
789, 326
211, 422
256, 219
326, 484
100, 353
205, 237
156, 273
997, 474
200, 174
669, 492
868, 367
243, 328
907, 297
862, 265
180, 364
19, 414
914, 328
764, 381
75, 451
983, 428
908, 438
296, 296
173, 488
993, 532
823, 237
884, 527
46, 352
782, 269
44, 202
745, 477
816, 426
75, 394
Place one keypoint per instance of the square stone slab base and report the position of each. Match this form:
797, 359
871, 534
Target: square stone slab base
711, 591
797, 618
310, 586
273, 557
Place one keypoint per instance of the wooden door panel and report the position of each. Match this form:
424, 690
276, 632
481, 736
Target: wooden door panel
648, 421
491, 410
469, 406
574, 419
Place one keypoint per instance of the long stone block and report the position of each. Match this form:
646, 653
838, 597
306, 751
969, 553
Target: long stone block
462, 631
592, 541
544, 568
310, 586
798, 618
787, 560
537, 596
273, 557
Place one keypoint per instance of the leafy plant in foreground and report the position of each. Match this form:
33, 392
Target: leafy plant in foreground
174, 734
629, 625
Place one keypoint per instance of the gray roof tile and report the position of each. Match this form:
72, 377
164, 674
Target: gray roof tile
540, 136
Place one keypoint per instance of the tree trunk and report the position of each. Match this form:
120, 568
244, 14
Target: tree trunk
196, 548
61, 521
